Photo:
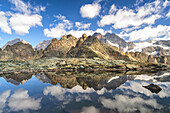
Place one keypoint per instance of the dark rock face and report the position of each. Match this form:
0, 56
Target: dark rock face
153, 88
59, 48
18, 51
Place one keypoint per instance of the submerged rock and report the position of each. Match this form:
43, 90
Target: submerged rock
153, 88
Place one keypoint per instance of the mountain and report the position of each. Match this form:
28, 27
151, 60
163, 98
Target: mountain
12, 42
43, 45
93, 47
18, 51
153, 47
59, 48
109, 46
114, 40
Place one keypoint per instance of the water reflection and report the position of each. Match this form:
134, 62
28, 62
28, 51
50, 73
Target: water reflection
84, 92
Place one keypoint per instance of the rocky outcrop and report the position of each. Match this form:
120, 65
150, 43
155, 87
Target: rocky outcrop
114, 40
43, 45
18, 51
12, 42
59, 48
92, 47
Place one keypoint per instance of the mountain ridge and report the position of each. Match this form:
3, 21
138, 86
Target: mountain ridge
109, 46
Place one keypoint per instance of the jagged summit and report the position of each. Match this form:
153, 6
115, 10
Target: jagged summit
12, 42
108, 46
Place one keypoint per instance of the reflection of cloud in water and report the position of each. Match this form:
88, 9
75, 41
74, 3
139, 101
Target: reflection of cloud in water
126, 104
145, 78
60, 93
20, 100
133, 87
3, 99
90, 109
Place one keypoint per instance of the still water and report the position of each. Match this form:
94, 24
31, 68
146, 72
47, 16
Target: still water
84, 93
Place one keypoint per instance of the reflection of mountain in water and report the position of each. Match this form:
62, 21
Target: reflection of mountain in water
16, 79
96, 81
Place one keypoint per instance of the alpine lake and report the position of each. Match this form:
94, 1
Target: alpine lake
81, 92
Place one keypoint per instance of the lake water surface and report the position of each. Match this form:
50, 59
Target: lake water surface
84, 92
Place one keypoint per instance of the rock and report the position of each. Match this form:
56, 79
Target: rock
59, 48
153, 88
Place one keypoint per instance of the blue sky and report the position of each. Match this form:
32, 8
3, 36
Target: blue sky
38, 20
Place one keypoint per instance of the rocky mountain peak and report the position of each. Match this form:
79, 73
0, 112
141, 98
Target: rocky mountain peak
12, 42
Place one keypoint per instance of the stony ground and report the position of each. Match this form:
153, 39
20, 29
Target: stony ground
73, 64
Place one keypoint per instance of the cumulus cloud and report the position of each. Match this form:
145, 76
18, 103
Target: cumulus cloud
27, 16
160, 31
60, 28
126, 17
127, 104
20, 100
4, 23
80, 25
21, 23
90, 10
78, 33
102, 31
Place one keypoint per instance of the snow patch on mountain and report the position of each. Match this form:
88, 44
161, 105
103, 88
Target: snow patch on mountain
112, 44
140, 45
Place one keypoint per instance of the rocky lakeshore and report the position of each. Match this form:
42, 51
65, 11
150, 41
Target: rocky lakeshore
77, 64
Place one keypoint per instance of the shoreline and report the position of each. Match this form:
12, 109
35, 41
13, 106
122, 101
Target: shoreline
85, 70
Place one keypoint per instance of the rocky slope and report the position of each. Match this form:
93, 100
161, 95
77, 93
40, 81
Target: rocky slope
18, 51
105, 47
59, 48
114, 40
12, 42
89, 47
43, 45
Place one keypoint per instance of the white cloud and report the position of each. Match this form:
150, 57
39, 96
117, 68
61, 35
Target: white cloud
21, 6
3, 99
166, 3
138, 2
78, 33
149, 33
4, 23
20, 100
55, 32
168, 14
126, 17
21, 23
90, 10
127, 104
80, 25
113, 9
60, 28
26, 8
102, 31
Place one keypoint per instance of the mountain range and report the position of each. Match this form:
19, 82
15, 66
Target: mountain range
108, 46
